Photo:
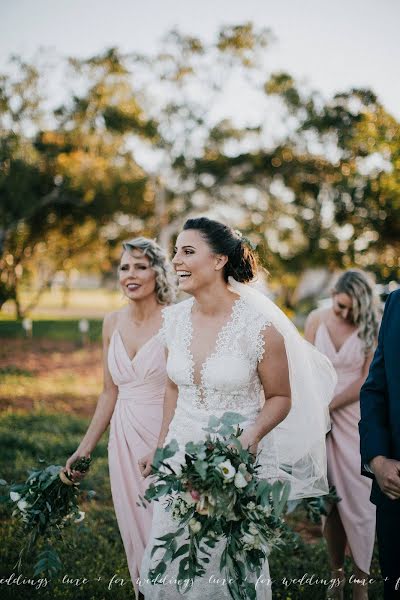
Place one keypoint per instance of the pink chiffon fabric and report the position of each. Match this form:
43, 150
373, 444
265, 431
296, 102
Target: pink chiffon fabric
343, 451
134, 430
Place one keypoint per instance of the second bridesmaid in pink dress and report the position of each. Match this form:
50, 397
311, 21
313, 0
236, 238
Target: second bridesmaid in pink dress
134, 386
346, 334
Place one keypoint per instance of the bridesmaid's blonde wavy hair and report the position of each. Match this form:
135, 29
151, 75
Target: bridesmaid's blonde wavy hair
357, 286
165, 275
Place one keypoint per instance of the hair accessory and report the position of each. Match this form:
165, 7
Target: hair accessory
245, 239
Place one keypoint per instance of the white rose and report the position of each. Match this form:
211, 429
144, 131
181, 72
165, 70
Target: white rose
22, 505
194, 525
15, 496
240, 481
227, 469
251, 506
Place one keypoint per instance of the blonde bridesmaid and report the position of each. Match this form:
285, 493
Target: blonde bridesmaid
346, 333
134, 384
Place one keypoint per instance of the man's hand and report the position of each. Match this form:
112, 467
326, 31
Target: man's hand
387, 473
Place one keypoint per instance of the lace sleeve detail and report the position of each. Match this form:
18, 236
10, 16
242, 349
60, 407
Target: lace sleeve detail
260, 339
162, 334
172, 321
168, 324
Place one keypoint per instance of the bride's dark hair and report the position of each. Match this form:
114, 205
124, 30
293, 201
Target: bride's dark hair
222, 239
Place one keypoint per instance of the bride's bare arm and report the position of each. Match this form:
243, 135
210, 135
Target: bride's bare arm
170, 398
105, 405
169, 406
274, 375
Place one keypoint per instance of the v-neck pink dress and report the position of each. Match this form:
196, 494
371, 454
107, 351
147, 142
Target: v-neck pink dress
134, 430
343, 451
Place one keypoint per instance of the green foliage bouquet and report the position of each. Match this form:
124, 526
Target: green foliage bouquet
217, 496
43, 505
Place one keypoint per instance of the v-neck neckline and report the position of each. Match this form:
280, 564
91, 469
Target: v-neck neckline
217, 342
131, 360
331, 341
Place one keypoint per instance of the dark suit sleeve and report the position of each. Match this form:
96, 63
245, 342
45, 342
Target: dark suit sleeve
374, 423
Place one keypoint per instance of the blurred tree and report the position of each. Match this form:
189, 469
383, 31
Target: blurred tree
327, 195
318, 192
77, 180
143, 142
189, 80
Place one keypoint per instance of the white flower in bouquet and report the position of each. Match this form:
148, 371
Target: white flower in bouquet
194, 525
81, 516
180, 507
227, 469
15, 496
183, 508
266, 510
252, 542
240, 481
253, 529
22, 505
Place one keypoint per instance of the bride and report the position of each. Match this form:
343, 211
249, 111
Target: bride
226, 345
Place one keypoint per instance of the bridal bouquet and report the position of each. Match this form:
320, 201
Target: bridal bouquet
217, 497
44, 504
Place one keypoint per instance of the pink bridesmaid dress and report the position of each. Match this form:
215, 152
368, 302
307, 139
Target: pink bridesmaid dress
134, 430
343, 451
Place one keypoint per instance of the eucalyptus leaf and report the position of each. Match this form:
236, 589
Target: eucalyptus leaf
201, 467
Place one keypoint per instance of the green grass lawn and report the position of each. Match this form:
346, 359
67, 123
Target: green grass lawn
54, 329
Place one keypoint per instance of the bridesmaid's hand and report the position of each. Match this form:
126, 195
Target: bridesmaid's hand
75, 476
145, 463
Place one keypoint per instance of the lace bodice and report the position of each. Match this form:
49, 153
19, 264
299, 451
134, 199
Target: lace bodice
229, 378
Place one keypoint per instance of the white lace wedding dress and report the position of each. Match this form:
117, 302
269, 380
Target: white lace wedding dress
229, 382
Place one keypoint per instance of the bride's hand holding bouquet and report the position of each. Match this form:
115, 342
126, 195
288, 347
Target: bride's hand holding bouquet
217, 496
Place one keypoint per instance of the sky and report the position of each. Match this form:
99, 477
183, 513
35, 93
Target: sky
332, 45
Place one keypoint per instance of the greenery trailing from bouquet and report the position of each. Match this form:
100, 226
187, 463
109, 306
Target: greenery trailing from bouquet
316, 507
217, 497
44, 505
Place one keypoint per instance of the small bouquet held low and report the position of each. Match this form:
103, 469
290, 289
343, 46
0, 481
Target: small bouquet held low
217, 497
44, 505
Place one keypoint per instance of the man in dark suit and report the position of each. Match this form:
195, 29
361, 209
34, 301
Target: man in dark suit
380, 442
